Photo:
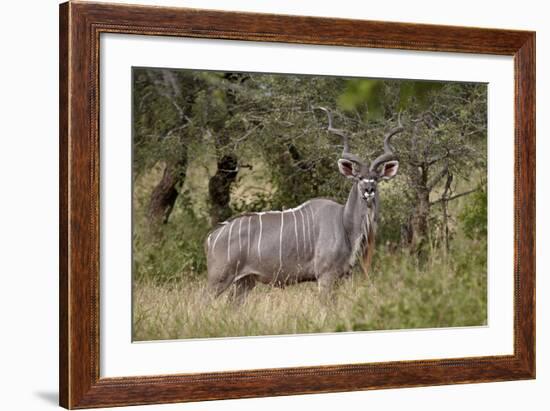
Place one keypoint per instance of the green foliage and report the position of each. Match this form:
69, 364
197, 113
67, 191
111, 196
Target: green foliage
474, 215
445, 291
395, 211
372, 96
420, 91
260, 202
363, 95
176, 253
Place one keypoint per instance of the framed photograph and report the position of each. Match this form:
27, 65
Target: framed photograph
259, 205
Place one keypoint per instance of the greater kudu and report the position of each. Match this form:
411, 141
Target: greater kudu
320, 240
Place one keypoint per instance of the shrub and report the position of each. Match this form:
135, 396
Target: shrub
474, 215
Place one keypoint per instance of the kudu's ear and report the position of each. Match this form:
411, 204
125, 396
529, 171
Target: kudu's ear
346, 168
389, 170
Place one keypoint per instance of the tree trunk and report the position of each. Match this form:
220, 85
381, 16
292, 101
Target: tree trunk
166, 192
418, 232
419, 222
219, 188
445, 209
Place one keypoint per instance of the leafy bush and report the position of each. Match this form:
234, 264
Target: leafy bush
445, 292
174, 251
474, 215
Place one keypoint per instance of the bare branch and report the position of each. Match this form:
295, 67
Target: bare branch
440, 157
438, 177
173, 130
168, 89
170, 81
249, 132
454, 197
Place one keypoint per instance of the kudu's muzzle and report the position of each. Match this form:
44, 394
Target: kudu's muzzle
369, 193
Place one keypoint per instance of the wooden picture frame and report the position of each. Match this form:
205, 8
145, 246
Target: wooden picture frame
80, 27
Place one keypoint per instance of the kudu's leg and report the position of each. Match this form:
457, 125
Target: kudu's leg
217, 284
326, 284
241, 288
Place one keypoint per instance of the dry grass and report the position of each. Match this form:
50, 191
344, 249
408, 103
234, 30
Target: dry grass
187, 311
443, 293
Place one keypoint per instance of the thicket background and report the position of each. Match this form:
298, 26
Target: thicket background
210, 145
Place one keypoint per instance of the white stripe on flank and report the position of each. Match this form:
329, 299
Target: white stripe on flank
312, 229
303, 230
248, 245
240, 225
229, 241
218, 236
296, 234
308, 229
281, 243
260, 238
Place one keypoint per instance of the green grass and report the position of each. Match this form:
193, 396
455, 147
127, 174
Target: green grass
446, 291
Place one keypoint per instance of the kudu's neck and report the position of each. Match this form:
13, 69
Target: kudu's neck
358, 218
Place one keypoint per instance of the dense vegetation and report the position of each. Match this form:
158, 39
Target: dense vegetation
211, 145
